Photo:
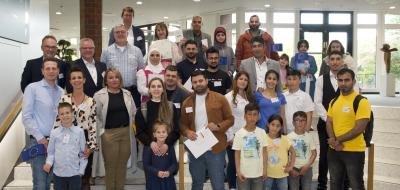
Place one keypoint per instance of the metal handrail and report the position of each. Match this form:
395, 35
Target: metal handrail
10, 118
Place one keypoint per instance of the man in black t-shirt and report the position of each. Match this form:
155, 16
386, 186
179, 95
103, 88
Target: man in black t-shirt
218, 80
191, 63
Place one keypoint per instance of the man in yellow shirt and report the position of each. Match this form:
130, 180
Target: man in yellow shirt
345, 129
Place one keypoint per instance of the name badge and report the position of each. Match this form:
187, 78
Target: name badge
346, 109
82, 107
217, 83
139, 38
66, 138
177, 105
273, 100
61, 75
189, 110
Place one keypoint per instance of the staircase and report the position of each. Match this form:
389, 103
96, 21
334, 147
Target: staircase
387, 167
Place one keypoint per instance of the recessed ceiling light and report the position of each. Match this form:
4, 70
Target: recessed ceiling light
58, 13
139, 2
165, 17
104, 28
392, 7
196, 0
267, 5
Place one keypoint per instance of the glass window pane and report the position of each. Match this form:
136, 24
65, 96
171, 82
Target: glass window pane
261, 15
366, 57
392, 19
233, 40
314, 40
392, 37
341, 36
366, 18
233, 18
339, 18
285, 36
188, 23
284, 18
225, 19
312, 18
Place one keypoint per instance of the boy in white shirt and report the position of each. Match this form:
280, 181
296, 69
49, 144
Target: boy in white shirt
306, 152
297, 100
250, 145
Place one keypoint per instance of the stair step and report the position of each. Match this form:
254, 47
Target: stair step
382, 112
21, 185
387, 125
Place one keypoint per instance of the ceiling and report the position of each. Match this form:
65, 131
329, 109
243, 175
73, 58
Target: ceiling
66, 25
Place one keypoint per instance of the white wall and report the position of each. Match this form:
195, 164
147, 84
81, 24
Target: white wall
13, 56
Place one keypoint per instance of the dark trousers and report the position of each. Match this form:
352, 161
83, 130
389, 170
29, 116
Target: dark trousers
231, 169
67, 183
135, 94
323, 160
350, 163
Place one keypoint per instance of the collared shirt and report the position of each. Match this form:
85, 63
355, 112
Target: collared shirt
92, 69
319, 93
39, 108
65, 151
298, 101
127, 61
261, 69
131, 36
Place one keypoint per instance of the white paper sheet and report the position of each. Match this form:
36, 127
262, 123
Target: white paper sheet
188, 85
204, 142
204, 42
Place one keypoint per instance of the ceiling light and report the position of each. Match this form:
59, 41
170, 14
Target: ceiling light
267, 5
196, 0
104, 28
139, 2
165, 17
58, 13
392, 7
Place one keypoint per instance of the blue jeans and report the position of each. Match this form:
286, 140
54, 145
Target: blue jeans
41, 179
231, 169
213, 163
67, 183
306, 180
342, 163
278, 183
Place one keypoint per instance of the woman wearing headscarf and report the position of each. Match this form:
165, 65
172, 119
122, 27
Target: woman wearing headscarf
227, 57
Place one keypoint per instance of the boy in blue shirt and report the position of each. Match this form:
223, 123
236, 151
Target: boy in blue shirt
65, 151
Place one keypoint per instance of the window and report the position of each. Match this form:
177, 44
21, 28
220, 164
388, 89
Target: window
312, 18
392, 19
285, 36
233, 42
188, 23
339, 18
233, 18
392, 37
366, 18
283, 18
261, 15
366, 57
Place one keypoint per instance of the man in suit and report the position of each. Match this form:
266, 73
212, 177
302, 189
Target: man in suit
135, 34
33, 68
198, 36
259, 64
92, 69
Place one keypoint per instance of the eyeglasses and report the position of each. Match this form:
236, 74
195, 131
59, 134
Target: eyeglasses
120, 32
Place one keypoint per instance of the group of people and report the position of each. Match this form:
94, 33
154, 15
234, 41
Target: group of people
129, 109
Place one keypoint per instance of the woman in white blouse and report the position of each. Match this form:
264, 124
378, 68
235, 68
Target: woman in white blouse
238, 98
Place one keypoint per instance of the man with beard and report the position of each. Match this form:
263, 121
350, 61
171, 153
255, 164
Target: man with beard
206, 109
175, 93
191, 62
197, 35
243, 46
218, 80
326, 89
345, 127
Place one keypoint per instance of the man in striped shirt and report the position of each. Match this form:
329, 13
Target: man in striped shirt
128, 59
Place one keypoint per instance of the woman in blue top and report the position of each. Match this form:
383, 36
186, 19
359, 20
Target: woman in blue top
307, 66
270, 100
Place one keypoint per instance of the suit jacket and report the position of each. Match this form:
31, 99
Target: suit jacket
249, 65
139, 40
188, 34
33, 72
90, 86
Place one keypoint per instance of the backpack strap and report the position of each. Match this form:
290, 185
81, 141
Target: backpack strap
334, 100
356, 102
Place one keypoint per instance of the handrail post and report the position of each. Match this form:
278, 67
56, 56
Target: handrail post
370, 178
181, 165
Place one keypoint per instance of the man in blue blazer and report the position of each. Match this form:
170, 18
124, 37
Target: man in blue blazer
258, 65
135, 34
93, 70
33, 68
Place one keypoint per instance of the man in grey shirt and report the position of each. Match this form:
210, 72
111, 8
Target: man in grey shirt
126, 58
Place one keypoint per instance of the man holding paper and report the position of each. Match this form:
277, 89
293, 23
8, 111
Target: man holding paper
201, 111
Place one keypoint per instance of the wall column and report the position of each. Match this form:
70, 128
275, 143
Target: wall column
91, 23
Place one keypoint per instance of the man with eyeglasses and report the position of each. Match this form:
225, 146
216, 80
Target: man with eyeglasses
126, 58
93, 70
32, 70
